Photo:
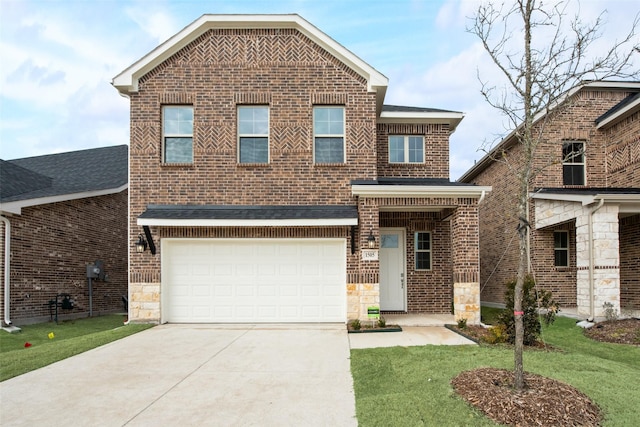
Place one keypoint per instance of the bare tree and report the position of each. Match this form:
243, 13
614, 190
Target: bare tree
540, 55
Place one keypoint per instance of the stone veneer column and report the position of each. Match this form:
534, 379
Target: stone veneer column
606, 260
144, 302
466, 264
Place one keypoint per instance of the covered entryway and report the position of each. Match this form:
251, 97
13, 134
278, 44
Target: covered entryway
393, 296
253, 280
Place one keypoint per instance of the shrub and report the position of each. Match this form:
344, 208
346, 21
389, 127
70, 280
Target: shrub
462, 323
497, 334
355, 324
610, 313
382, 322
532, 299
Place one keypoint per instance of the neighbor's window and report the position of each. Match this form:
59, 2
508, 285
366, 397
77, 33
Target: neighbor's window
423, 250
328, 134
406, 149
573, 163
561, 248
177, 134
253, 134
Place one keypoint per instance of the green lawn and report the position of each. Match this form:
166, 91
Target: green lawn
70, 337
410, 386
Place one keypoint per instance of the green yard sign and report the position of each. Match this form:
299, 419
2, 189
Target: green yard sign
373, 312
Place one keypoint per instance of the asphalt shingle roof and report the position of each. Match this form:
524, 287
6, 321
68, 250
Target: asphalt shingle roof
404, 109
249, 212
411, 181
65, 173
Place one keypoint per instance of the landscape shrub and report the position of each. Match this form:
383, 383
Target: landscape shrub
532, 301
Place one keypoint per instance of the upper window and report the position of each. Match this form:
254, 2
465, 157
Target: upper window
561, 248
177, 134
406, 149
328, 134
423, 250
253, 134
573, 163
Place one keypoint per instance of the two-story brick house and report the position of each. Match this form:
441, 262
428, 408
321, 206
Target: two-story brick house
273, 185
584, 211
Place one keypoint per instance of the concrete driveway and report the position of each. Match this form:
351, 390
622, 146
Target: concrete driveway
194, 375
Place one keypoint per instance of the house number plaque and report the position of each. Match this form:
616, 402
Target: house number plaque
369, 254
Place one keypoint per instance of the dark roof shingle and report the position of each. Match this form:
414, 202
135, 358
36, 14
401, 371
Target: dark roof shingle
65, 173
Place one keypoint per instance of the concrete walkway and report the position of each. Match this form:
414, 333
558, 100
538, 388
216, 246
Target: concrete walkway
190, 375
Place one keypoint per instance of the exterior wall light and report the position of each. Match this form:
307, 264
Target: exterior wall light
141, 244
371, 239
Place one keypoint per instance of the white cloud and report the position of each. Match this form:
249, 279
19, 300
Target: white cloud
160, 25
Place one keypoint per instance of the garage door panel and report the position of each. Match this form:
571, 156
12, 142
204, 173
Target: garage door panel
217, 280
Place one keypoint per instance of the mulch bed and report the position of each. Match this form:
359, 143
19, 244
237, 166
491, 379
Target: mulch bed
626, 331
544, 402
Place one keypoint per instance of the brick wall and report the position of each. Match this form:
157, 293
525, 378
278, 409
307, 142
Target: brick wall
226, 68
630, 263
50, 248
436, 151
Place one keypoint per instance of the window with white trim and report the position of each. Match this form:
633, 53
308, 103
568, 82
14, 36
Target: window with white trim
177, 134
406, 149
423, 250
573, 168
253, 134
328, 134
561, 248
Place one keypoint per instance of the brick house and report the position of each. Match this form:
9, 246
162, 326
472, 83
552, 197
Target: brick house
61, 212
271, 183
584, 211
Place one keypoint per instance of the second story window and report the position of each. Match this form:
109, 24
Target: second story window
406, 149
561, 248
177, 134
328, 135
573, 172
253, 134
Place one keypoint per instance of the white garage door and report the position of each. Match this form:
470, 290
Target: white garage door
253, 280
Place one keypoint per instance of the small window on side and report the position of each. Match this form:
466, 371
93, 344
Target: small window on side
561, 248
423, 250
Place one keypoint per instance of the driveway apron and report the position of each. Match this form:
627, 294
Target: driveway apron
194, 375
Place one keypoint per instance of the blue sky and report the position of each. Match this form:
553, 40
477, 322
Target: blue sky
58, 59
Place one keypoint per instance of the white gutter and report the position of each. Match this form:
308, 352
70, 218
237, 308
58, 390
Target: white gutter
7, 269
470, 191
592, 260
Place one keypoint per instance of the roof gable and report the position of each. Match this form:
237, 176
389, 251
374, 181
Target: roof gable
127, 81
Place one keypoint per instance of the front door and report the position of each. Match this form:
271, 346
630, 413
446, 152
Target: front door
392, 270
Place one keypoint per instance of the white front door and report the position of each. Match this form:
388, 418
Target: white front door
392, 270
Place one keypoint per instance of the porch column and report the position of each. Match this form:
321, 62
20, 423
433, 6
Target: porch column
363, 284
466, 263
598, 261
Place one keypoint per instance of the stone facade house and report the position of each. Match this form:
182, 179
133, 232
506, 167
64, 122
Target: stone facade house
270, 183
60, 213
584, 242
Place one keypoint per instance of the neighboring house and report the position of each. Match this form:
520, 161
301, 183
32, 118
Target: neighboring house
272, 184
584, 207
64, 212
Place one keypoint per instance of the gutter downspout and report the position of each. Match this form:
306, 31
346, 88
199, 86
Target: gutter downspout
592, 260
7, 269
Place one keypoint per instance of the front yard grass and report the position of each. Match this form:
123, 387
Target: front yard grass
70, 337
410, 386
